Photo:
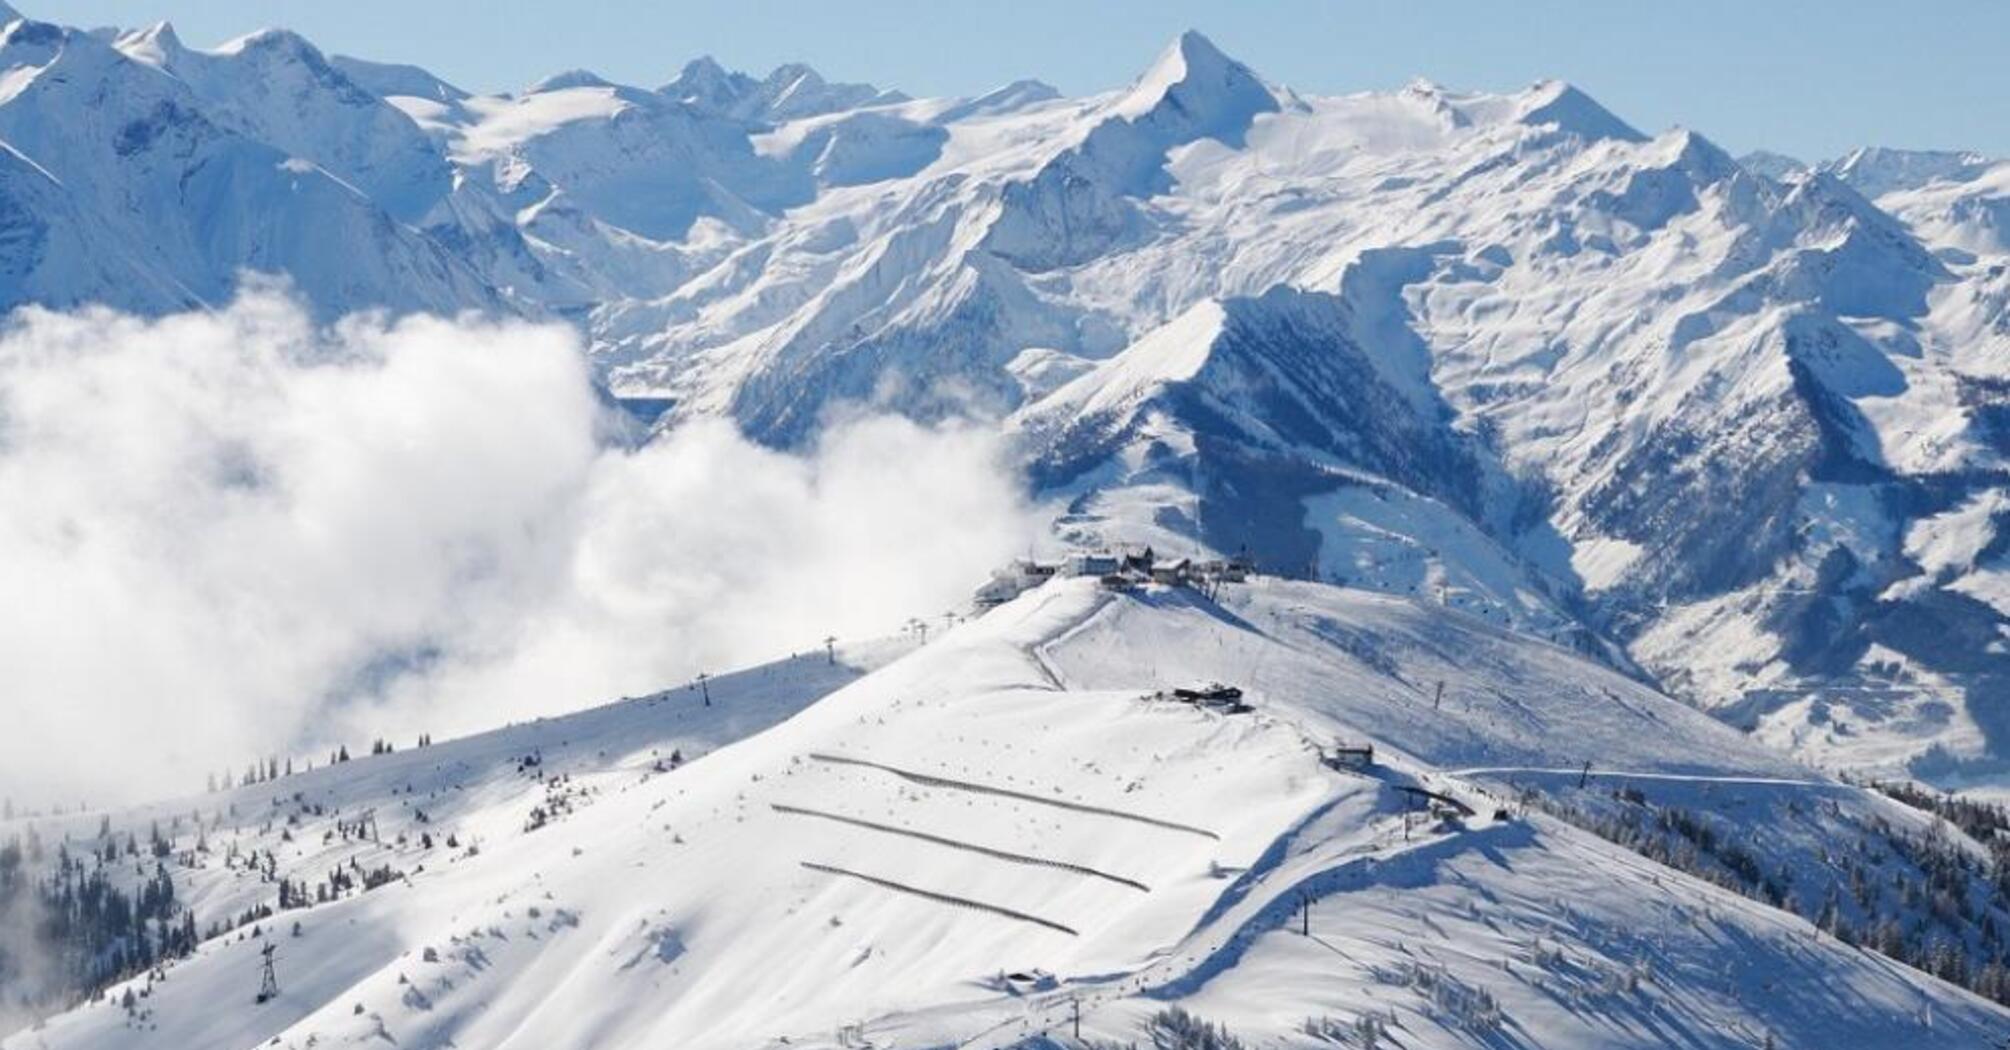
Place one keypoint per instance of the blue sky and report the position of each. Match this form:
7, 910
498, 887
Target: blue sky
1806, 77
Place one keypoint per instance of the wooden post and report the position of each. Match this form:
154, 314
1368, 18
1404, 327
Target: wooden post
1077, 1003
704, 687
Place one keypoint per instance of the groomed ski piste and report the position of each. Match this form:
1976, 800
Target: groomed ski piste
1003, 837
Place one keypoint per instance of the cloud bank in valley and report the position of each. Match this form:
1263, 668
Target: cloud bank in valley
224, 534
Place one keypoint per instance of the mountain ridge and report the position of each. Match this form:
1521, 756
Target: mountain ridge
1567, 321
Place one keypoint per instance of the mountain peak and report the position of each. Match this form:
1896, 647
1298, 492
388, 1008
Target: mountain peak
36, 37
1214, 92
1573, 112
1189, 56
270, 38
1689, 150
1773, 165
706, 85
571, 78
1877, 170
703, 68
790, 73
796, 90
1016, 95
156, 45
162, 33
1195, 47
790, 90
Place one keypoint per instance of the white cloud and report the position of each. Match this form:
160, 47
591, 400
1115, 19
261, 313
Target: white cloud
225, 534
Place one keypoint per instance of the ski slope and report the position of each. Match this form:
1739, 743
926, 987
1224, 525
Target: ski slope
422, 809
1011, 799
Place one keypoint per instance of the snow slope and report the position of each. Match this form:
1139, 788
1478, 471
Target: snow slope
1008, 799
1533, 936
417, 808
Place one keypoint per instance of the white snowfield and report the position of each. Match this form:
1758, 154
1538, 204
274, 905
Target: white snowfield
970, 844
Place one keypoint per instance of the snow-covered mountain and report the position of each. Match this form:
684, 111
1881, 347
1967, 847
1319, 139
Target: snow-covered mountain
1546, 424
791, 91
1736, 425
127, 185
972, 842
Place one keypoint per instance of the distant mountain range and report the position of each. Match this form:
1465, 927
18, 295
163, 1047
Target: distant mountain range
1738, 427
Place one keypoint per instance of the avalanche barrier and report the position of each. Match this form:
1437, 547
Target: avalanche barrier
970, 847
941, 898
985, 789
